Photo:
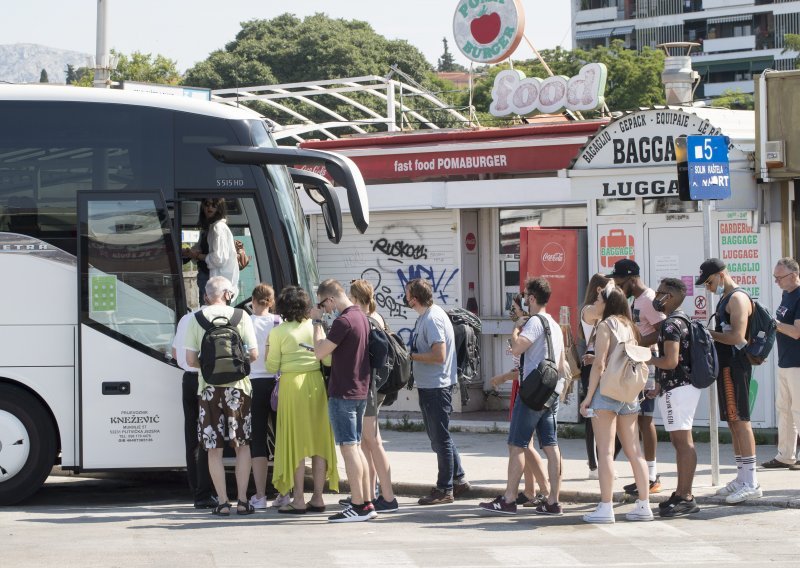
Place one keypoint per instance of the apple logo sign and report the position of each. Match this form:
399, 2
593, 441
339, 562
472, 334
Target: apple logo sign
488, 31
486, 28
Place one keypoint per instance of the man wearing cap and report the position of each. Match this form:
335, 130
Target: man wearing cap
733, 380
648, 322
787, 396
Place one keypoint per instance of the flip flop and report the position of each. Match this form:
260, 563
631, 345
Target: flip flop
314, 508
291, 510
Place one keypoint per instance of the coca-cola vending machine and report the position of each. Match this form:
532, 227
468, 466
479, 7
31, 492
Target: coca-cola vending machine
559, 255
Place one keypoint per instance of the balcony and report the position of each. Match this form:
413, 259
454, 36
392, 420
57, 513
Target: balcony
596, 15
711, 4
740, 43
716, 89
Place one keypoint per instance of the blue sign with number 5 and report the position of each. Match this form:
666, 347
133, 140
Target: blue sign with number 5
709, 168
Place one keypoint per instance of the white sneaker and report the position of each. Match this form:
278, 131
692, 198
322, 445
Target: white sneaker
258, 503
593, 474
641, 512
744, 493
600, 515
282, 501
731, 488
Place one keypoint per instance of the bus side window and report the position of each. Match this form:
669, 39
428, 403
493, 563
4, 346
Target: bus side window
195, 167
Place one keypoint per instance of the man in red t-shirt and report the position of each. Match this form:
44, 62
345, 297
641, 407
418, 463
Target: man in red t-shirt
347, 343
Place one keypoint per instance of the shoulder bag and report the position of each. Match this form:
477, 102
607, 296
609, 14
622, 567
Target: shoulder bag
626, 367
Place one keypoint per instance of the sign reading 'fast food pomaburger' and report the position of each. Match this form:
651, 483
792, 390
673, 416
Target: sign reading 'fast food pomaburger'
488, 31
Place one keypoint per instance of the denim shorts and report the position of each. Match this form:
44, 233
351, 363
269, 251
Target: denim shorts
346, 417
525, 421
600, 402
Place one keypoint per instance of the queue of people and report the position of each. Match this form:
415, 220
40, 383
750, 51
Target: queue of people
292, 349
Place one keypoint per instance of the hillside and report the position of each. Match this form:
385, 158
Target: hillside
23, 62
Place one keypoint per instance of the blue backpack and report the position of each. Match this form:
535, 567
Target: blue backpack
703, 362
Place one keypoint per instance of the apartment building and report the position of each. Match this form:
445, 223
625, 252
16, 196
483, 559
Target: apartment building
738, 38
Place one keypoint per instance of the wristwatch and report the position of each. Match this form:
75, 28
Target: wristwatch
316, 322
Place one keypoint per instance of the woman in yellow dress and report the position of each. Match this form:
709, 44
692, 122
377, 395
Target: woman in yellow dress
303, 428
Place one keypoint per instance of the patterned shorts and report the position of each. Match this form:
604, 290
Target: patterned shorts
224, 415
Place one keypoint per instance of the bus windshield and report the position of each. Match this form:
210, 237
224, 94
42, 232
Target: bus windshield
291, 212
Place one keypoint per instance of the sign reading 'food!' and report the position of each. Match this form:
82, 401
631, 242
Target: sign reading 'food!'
488, 31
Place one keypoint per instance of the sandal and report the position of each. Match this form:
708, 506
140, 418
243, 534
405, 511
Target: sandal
244, 508
222, 510
291, 510
315, 508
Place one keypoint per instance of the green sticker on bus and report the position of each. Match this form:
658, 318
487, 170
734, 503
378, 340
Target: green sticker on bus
104, 293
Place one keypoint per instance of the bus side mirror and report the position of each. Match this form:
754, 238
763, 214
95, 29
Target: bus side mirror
320, 192
341, 168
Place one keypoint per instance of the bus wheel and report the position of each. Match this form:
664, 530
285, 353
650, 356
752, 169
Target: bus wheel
27, 445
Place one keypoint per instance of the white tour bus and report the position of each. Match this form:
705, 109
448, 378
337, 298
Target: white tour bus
97, 190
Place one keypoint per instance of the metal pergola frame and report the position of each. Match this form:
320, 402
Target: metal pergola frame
389, 92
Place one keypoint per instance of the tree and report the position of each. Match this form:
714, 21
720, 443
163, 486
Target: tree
287, 49
145, 68
633, 81
71, 75
791, 42
43, 76
447, 62
735, 99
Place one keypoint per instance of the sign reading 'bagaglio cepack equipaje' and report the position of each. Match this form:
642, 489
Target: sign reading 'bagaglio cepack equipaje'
629, 145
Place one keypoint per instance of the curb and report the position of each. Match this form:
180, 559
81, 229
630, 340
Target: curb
489, 492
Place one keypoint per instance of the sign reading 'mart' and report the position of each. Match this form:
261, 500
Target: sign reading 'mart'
514, 94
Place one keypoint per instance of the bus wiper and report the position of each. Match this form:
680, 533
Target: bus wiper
341, 168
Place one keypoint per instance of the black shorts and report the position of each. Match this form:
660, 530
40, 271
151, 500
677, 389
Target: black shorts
261, 413
733, 387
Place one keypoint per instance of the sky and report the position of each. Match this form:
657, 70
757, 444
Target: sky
188, 30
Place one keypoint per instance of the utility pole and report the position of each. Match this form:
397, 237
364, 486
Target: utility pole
102, 67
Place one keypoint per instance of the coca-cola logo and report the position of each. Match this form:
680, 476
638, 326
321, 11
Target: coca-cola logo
553, 257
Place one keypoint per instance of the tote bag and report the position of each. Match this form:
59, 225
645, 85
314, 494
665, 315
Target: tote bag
626, 365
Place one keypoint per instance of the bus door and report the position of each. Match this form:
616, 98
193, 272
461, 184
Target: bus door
129, 289
244, 221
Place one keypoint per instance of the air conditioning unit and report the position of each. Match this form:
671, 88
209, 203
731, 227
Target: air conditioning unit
774, 153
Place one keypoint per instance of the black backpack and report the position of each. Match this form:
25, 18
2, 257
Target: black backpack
396, 374
761, 328
466, 337
537, 389
223, 358
378, 345
703, 364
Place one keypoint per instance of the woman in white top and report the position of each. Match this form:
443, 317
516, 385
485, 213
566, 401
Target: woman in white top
215, 252
611, 416
263, 383
591, 314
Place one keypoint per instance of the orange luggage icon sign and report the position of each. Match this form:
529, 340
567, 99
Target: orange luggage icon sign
616, 246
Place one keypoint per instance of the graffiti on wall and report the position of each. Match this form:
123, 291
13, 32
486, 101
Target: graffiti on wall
399, 255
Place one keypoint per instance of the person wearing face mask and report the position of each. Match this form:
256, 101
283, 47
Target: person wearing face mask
647, 320
433, 356
733, 380
678, 398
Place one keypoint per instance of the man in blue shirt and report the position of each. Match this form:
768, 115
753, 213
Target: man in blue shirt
433, 358
787, 391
